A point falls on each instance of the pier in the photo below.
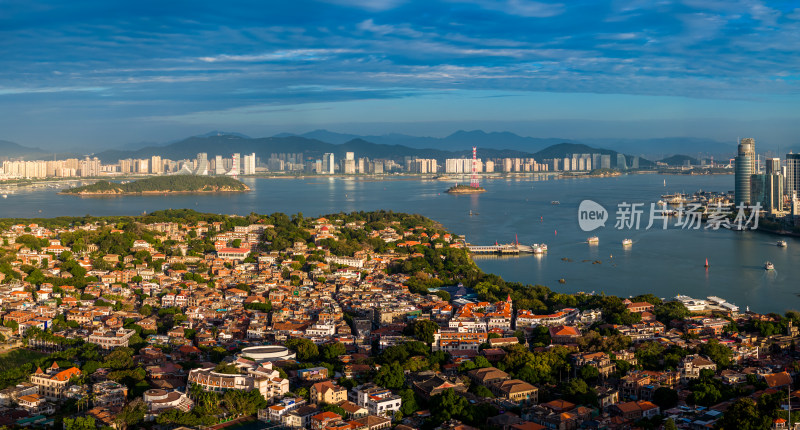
(502, 249)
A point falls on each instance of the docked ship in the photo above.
(674, 199)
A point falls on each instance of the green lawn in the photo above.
(17, 358)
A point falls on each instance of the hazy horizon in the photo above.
(92, 75)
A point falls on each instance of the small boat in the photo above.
(706, 266)
(555, 202)
(627, 242)
(593, 240)
(5, 196)
(782, 243)
(769, 266)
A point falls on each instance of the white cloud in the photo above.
(282, 55)
(373, 5)
(525, 8)
(39, 90)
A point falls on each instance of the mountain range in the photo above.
(224, 144)
(397, 146)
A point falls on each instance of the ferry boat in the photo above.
(782, 243)
(627, 242)
(593, 240)
(676, 198)
(769, 266)
(539, 248)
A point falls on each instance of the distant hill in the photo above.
(15, 150)
(225, 145)
(680, 160)
(663, 147)
(567, 149)
(562, 150)
(458, 141)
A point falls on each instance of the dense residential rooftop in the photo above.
(183, 319)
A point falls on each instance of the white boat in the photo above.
(627, 242)
(593, 240)
(539, 248)
(555, 202)
(5, 196)
(769, 266)
(782, 243)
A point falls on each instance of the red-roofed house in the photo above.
(564, 334)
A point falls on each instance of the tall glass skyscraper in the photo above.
(745, 167)
(792, 173)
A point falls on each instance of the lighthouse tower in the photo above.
(474, 179)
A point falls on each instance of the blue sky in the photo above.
(90, 73)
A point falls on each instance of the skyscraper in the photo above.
(202, 164)
(792, 173)
(328, 165)
(621, 163)
(745, 167)
(250, 164)
(773, 165)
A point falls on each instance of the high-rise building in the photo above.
(605, 161)
(745, 167)
(621, 163)
(772, 166)
(328, 164)
(219, 165)
(775, 189)
(758, 190)
(156, 165)
(792, 173)
(250, 164)
(202, 164)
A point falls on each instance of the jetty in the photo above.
(505, 249)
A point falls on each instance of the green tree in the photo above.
(332, 351)
(80, 423)
(578, 391)
(448, 405)
(409, 402)
(481, 391)
(424, 331)
(717, 352)
(390, 376)
(131, 414)
(306, 350)
(743, 415)
(669, 311)
(302, 392)
(669, 424)
(481, 362)
(146, 310)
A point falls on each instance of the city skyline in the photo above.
(102, 76)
